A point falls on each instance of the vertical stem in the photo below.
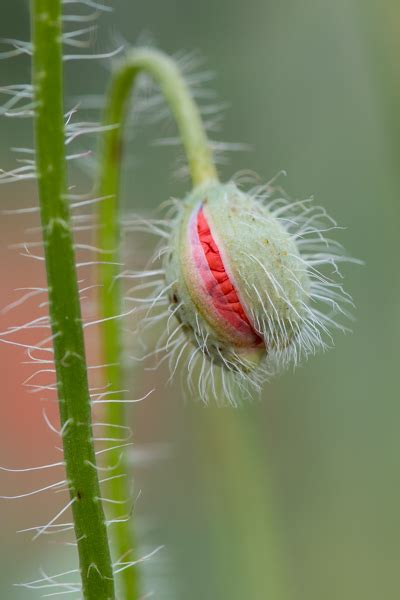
(123, 538)
(251, 515)
(64, 306)
(164, 70)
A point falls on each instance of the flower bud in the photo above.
(245, 284)
(236, 280)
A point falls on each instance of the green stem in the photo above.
(64, 307)
(253, 547)
(166, 73)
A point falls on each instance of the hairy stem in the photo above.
(64, 306)
(166, 73)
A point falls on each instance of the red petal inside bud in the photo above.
(222, 292)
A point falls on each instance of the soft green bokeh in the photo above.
(314, 88)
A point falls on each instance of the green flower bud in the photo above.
(236, 277)
(244, 286)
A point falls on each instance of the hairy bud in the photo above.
(245, 283)
(236, 277)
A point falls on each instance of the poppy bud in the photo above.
(242, 282)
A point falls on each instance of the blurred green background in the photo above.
(294, 497)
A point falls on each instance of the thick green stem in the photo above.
(166, 73)
(64, 306)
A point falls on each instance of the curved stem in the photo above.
(64, 306)
(166, 73)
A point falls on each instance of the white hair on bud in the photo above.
(319, 310)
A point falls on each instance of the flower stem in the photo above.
(166, 73)
(64, 307)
